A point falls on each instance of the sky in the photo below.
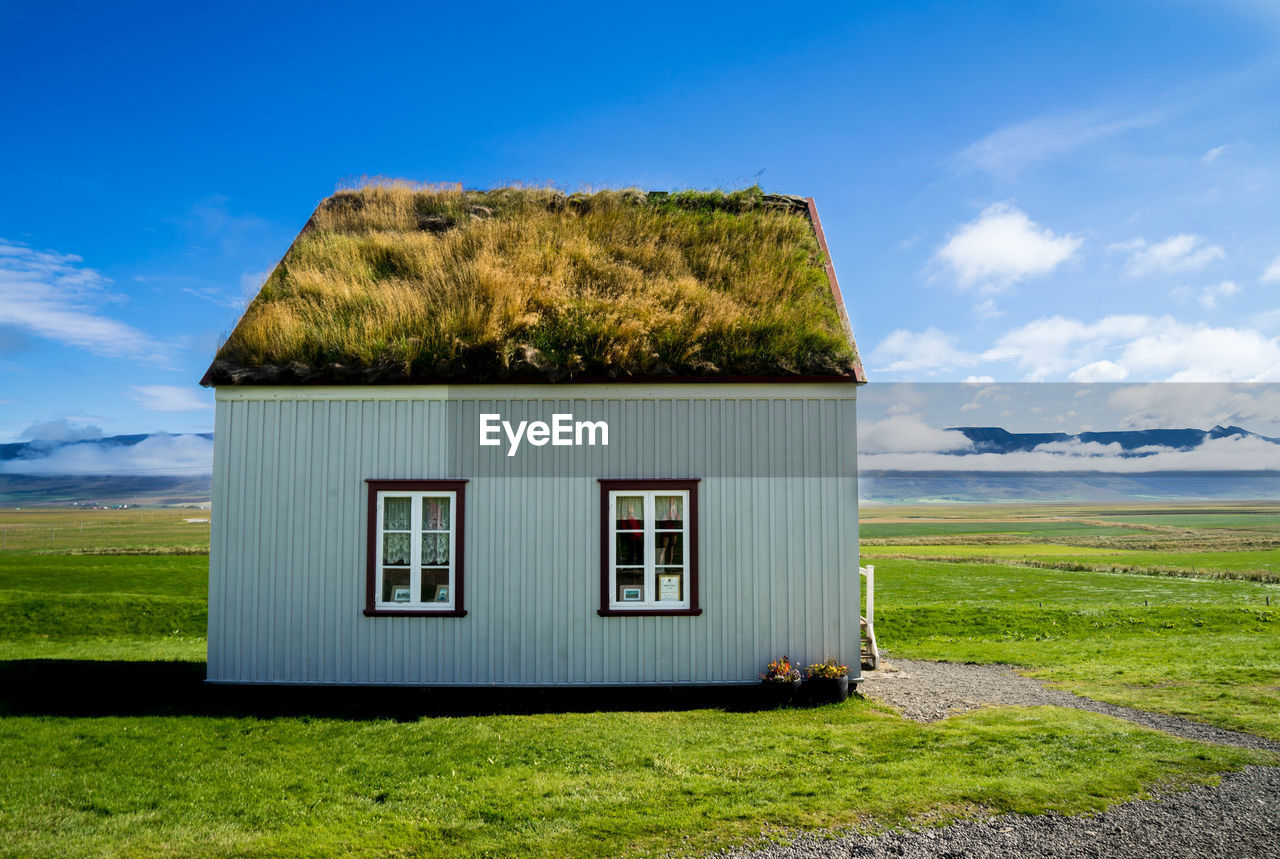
(1082, 192)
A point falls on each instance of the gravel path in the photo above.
(928, 691)
(1239, 818)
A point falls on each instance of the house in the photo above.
(518, 437)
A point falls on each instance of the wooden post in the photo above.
(871, 596)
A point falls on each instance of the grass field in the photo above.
(42, 529)
(110, 744)
(1195, 645)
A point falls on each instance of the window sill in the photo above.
(413, 612)
(649, 612)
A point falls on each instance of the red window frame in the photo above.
(458, 487)
(689, 485)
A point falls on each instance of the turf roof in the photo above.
(400, 283)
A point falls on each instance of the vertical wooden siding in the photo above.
(779, 551)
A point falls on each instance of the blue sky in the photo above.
(1081, 191)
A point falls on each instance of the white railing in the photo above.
(868, 620)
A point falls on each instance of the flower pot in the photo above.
(779, 693)
(823, 690)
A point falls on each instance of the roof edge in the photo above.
(320, 380)
(858, 373)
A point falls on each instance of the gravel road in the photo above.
(1239, 818)
(928, 691)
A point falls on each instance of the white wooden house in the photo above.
(644, 472)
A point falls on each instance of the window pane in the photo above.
(630, 549)
(670, 584)
(435, 514)
(630, 512)
(395, 549)
(395, 586)
(395, 514)
(435, 548)
(630, 585)
(435, 584)
(669, 512)
(668, 548)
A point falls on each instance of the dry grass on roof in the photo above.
(395, 282)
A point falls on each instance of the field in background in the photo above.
(1172, 608)
(82, 529)
(1228, 539)
(135, 756)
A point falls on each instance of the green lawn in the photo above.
(160, 575)
(1203, 520)
(1207, 649)
(103, 606)
(109, 743)
(873, 529)
(577, 784)
(39, 529)
(1262, 561)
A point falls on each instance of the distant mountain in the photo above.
(162, 468)
(26, 490)
(903, 486)
(965, 487)
(155, 468)
(998, 440)
(42, 448)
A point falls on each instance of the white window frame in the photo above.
(650, 519)
(416, 603)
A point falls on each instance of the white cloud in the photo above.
(1214, 154)
(157, 454)
(1008, 151)
(215, 296)
(169, 398)
(51, 295)
(1200, 353)
(1057, 346)
(1183, 252)
(1099, 371)
(1144, 347)
(1003, 246)
(1272, 274)
(908, 434)
(1211, 295)
(60, 430)
(986, 394)
(929, 350)
(988, 310)
(1113, 348)
(1230, 453)
(1161, 404)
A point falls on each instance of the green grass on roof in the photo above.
(395, 282)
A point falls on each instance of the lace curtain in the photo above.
(395, 514)
(395, 550)
(435, 549)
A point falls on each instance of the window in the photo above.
(415, 548)
(649, 547)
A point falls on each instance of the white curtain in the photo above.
(396, 513)
(395, 550)
(435, 550)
